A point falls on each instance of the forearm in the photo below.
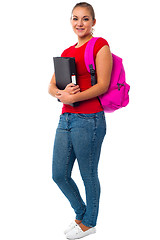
(52, 89)
(92, 92)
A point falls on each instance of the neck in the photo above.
(83, 40)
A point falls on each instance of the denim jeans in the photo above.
(79, 136)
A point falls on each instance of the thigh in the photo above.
(63, 153)
(87, 137)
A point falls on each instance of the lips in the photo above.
(80, 29)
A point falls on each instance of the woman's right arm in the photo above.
(70, 88)
(52, 88)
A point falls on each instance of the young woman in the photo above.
(81, 129)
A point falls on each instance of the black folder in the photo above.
(65, 72)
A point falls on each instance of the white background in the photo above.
(31, 205)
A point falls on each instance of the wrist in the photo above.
(72, 98)
(75, 97)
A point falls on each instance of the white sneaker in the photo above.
(70, 227)
(77, 233)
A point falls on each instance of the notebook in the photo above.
(65, 72)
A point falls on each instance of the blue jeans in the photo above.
(79, 136)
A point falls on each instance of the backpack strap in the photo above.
(89, 59)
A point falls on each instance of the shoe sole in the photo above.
(82, 236)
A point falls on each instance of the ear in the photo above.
(94, 22)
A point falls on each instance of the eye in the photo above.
(75, 19)
(86, 19)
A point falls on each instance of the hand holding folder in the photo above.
(65, 72)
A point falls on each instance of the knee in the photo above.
(58, 177)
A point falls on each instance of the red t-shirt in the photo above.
(83, 78)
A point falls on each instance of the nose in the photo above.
(80, 23)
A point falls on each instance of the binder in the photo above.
(65, 72)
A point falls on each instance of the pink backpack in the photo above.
(117, 94)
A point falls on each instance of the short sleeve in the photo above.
(66, 51)
(63, 53)
(101, 42)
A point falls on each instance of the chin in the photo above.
(82, 35)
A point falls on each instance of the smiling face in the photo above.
(82, 22)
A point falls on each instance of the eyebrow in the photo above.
(83, 16)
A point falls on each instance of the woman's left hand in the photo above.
(65, 97)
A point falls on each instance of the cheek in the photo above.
(88, 24)
(73, 24)
(89, 27)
